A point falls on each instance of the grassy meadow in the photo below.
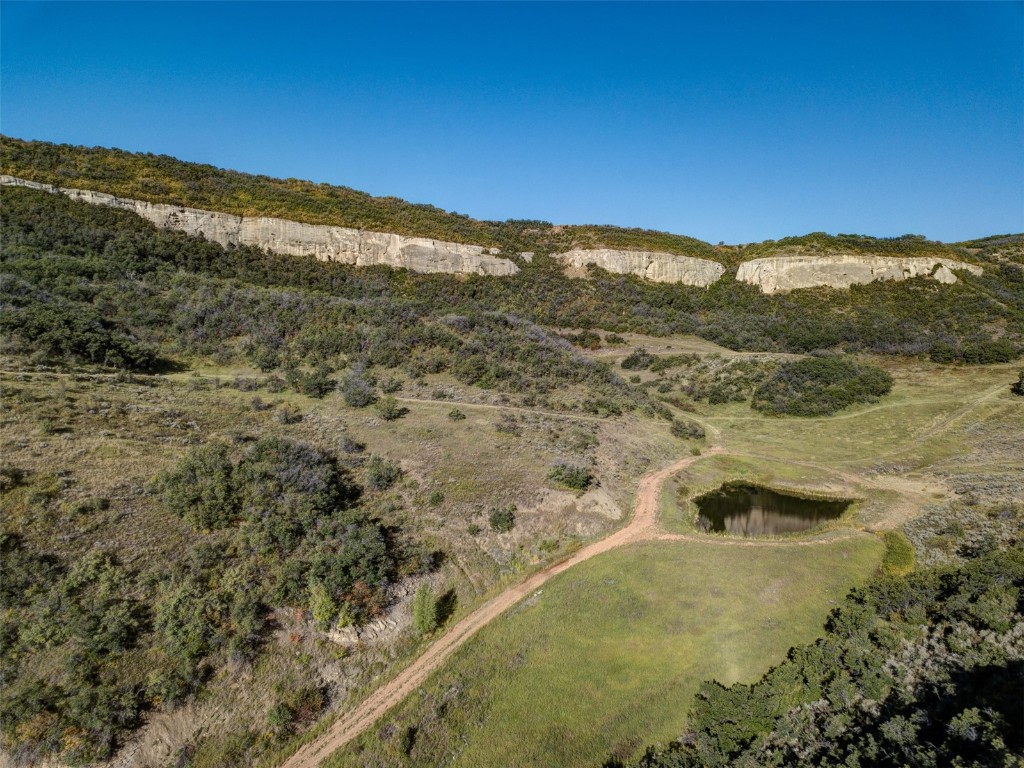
(614, 648)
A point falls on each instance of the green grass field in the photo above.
(616, 648)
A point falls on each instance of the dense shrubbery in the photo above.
(820, 386)
(571, 476)
(712, 378)
(63, 258)
(687, 429)
(77, 621)
(87, 646)
(925, 670)
(637, 360)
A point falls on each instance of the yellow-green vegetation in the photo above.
(614, 648)
(899, 554)
(162, 179)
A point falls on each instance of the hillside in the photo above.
(243, 491)
(162, 179)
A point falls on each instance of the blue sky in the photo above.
(727, 121)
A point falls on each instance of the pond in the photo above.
(751, 510)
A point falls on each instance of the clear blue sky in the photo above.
(728, 121)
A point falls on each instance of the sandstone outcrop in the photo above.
(659, 267)
(291, 238)
(777, 274)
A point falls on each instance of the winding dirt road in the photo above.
(641, 527)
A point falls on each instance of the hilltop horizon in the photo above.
(511, 220)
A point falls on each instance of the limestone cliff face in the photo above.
(785, 273)
(291, 238)
(659, 267)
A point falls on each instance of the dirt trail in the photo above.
(642, 527)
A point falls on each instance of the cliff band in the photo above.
(776, 274)
(291, 238)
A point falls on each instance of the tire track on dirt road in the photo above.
(641, 527)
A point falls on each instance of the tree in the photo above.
(424, 610)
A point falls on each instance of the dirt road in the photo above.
(641, 527)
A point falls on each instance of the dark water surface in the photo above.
(750, 510)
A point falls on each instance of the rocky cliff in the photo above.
(291, 238)
(659, 267)
(785, 273)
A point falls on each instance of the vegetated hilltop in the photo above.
(980, 318)
(163, 179)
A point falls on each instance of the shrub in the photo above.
(687, 429)
(12, 476)
(288, 414)
(389, 409)
(322, 606)
(575, 477)
(456, 415)
(1017, 387)
(407, 740)
(502, 519)
(638, 360)
(199, 488)
(357, 392)
(317, 383)
(381, 474)
(820, 386)
(424, 610)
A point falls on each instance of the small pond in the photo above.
(751, 510)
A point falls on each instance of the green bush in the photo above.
(389, 409)
(575, 477)
(199, 488)
(502, 519)
(820, 386)
(1017, 387)
(381, 473)
(322, 606)
(638, 360)
(687, 429)
(358, 392)
(424, 610)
